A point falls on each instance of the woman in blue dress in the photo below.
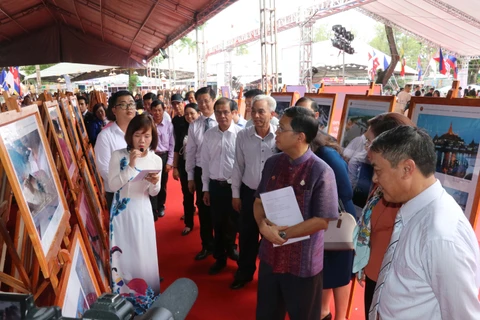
(337, 265)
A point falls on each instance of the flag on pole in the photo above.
(385, 63)
(452, 62)
(3, 80)
(16, 81)
(441, 62)
(419, 68)
(402, 62)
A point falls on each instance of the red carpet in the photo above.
(215, 299)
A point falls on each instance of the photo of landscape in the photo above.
(456, 143)
(356, 123)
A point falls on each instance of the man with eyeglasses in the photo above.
(290, 277)
(218, 156)
(112, 138)
(254, 146)
(205, 99)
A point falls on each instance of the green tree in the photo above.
(241, 50)
(132, 80)
(28, 70)
(411, 47)
(187, 43)
(322, 32)
(473, 69)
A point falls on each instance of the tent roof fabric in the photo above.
(121, 32)
(453, 25)
(68, 68)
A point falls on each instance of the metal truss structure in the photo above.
(201, 58)
(268, 45)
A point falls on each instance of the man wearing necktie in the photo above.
(431, 269)
(205, 99)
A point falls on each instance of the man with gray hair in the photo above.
(271, 103)
(431, 267)
(254, 146)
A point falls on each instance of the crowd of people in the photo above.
(415, 252)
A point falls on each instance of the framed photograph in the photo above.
(92, 194)
(70, 124)
(79, 287)
(326, 104)
(90, 155)
(357, 110)
(454, 125)
(26, 157)
(284, 101)
(79, 120)
(60, 137)
(91, 230)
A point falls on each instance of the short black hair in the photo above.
(205, 90)
(253, 93)
(113, 99)
(406, 142)
(157, 103)
(98, 106)
(194, 106)
(139, 122)
(82, 98)
(313, 103)
(386, 121)
(226, 101)
(150, 95)
(303, 120)
(189, 93)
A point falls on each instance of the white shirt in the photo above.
(194, 144)
(218, 155)
(273, 121)
(251, 153)
(109, 140)
(402, 100)
(435, 271)
(241, 122)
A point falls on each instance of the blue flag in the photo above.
(3, 78)
(385, 63)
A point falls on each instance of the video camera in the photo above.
(173, 304)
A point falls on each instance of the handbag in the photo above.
(339, 234)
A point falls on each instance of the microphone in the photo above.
(174, 303)
(130, 148)
(141, 149)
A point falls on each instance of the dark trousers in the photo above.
(188, 198)
(248, 236)
(224, 219)
(368, 294)
(158, 202)
(109, 198)
(204, 217)
(279, 293)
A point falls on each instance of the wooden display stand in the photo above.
(326, 106)
(454, 125)
(284, 101)
(41, 248)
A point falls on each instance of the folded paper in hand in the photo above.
(281, 208)
(142, 174)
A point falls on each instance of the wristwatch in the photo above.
(283, 235)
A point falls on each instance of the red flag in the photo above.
(403, 62)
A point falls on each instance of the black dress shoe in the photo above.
(203, 254)
(161, 213)
(239, 283)
(233, 254)
(217, 267)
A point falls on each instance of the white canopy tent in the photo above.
(453, 25)
(71, 69)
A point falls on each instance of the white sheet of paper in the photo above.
(281, 208)
(142, 174)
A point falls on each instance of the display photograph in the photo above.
(356, 123)
(456, 142)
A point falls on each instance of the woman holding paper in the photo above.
(132, 229)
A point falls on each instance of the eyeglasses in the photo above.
(368, 143)
(280, 130)
(224, 113)
(125, 106)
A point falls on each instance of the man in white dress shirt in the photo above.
(253, 147)
(431, 269)
(205, 99)
(112, 138)
(218, 156)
